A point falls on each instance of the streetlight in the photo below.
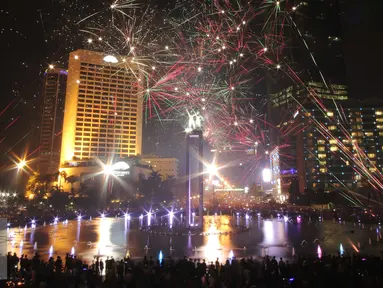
(21, 164)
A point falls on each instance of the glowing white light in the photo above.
(148, 90)
(56, 220)
(223, 47)
(266, 175)
(212, 169)
(222, 11)
(132, 48)
(107, 169)
(121, 166)
(90, 40)
(278, 66)
(102, 215)
(123, 60)
(294, 8)
(243, 22)
(251, 120)
(171, 214)
(241, 55)
(238, 28)
(285, 218)
(199, 69)
(231, 62)
(232, 88)
(79, 218)
(176, 89)
(51, 66)
(246, 189)
(99, 38)
(76, 57)
(188, 130)
(247, 216)
(167, 47)
(203, 108)
(236, 123)
(21, 164)
(78, 81)
(265, 49)
(33, 221)
(277, 2)
(110, 59)
(203, 99)
(141, 217)
(113, 6)
(231, 255)
(341, 250)
(153, 68)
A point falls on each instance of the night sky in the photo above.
(34, 34)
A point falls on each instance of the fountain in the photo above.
(319, 252)
(72, 252)
(231, 255)
(160, 257)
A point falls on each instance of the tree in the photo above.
(34, 185)
(72, 179)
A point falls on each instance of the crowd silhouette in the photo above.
(301, 271)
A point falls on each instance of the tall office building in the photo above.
(339, 160)
(316, 51)
(54, 88)
(285, 110)
(103, 108)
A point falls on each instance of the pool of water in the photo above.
(118, 237)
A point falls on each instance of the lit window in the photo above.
(321, 156)
(379, 126)
(371, 155)
(372, 169)
(378, 112)
(333, 127)
(330, 114)
(369, 134)
(321, 148)
(358, 120)
(323, 163)
(333, 148)
(321, 141)
(379, 119)
(346, 141)
(322, 170)
(332, 141)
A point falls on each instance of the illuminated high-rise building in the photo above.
(54, 88)
(103, 108)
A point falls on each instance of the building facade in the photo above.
(54, 88)
(347, 143)
(166, 167)
(103, 108)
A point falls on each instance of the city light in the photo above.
(107, 169)
(21, 164)
(266, 175)
(212, 170)
(110, 59)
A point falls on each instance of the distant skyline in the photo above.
(33, 40)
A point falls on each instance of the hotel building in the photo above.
(54, 88)
(103, 108)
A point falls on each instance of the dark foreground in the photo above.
(329, 271)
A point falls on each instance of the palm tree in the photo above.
(72, 179)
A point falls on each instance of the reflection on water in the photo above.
(117, 237)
